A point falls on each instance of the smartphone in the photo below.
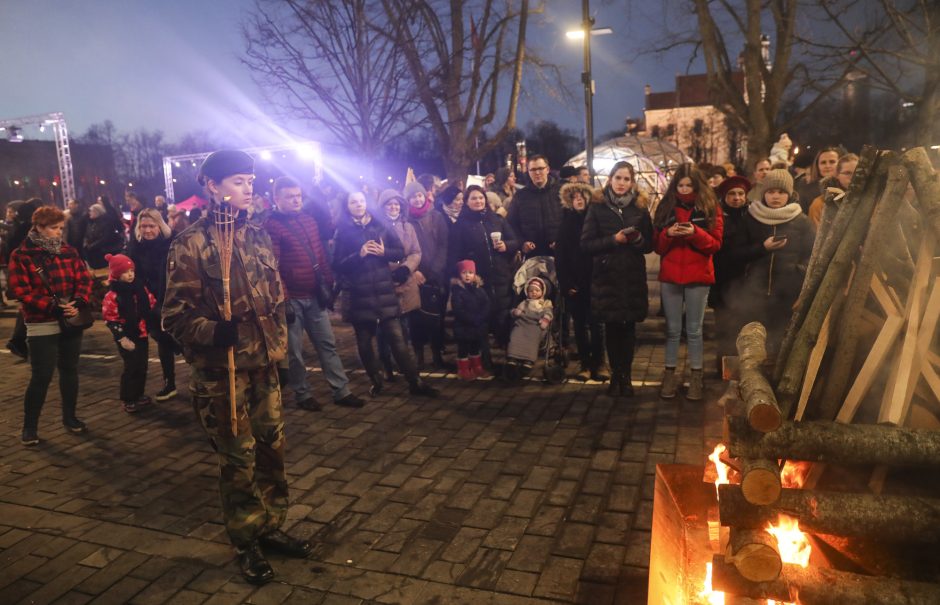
(628, 230)
(685, 225)
(780, 238)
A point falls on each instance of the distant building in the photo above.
(31, 169)
(687, 118)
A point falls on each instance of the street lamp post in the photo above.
(585, 33)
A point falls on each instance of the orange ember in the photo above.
(793, 475)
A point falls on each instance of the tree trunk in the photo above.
(926, 183)
(763, 414)
(791, 379)
(848, 329)
(856, 444)
(823, 251)
(754, 553)
(821, 586)
(886, 518)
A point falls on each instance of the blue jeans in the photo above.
(695, 297)
(309, 318)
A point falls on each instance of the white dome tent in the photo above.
(653, 159)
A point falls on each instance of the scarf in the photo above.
(774, 216)
(133, 304)
(419, 212)
(52, 245)
(620, 201)
(687, 199)
(451, 212)
(361, 222)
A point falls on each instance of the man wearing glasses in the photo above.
(535, 213)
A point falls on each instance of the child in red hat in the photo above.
(471, 305)
(125, 309)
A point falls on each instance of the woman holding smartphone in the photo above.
(617, 233)
(364, 248)
(688, 228)
(784, 239)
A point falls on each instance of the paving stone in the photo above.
(504, 487)
(507, 534)
(525, 503)
(559, 580)
(517, 582)
(574, 540)
(531, 553)
(603, 563)
(546, 521)
(464, 544)
(484, 568)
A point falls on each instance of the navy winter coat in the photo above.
(369, 292)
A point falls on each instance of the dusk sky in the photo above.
(173, 65)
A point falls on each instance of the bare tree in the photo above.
(324, 62)
(460, 54)
(895, 45)
(731, 38)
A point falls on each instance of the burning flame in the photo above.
(708, 595)
(720, 467)
(793, 475)
(791, 542)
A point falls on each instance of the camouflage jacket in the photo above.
(194, 300)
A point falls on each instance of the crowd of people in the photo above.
(397, 266)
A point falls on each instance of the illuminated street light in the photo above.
(265, 155)
(102, 182)
(587, 23)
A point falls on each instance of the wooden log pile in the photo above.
(854, 391)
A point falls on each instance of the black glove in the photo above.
(289, 313)
(80, 303)
(225, 334)
(283, 376)
(400, 274)
(58, 312)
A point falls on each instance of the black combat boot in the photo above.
(254, 567)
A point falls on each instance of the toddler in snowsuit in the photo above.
(125, 309)
(532, 318)
(471, 306)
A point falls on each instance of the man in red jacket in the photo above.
(303, 263)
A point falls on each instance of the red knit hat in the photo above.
(118, 264)
(466, 265)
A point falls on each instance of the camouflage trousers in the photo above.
(252, 481)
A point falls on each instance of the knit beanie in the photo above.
(777, 179)
(537, 281)
(390, 195)
(118, 265)
(412, 189)
(466, 265)
(223, 163)
(448, 195)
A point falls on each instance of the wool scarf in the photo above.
(451, 212)
(419, 212)
(620, 201)
(52, 245)
(774, 216)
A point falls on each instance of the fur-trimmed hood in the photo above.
(642, 199)
(569, 189)
(477, 281)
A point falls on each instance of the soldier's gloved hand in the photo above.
(225, 334)
(283, 376)
(289, 314)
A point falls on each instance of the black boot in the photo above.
(278, 541)
(376, 389)
(442, 365)
(419, 357)
(254, 567)
(626, 385)
(613, 387)
(422, 389)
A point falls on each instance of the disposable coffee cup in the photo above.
(496, 237)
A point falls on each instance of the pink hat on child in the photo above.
(118, 265)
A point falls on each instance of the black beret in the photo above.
(223, 163)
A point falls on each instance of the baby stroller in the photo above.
(552, 349)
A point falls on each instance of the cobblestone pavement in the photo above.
(496, 494)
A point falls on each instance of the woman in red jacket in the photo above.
(68, 289)
(688, 229)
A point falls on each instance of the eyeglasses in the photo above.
(538, 168)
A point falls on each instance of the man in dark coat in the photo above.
(535, 213)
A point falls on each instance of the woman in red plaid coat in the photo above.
(49, 348)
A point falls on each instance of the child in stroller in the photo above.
(532, 318)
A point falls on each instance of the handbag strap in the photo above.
(313, 259)
(41, 272)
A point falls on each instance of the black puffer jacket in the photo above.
(535, 215)
(369, 292)
(102, 236)
(618, 281)
(149, 258)
(471, 306)
(470, 240)
(573, 266)
(732, 259)
(778, 276)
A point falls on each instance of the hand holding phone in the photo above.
(780, 238)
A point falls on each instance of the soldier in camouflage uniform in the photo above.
(252, 480)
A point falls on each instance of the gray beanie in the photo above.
(388, 195)
(777, 179)
(412, 189)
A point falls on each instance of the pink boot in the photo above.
(464, 370)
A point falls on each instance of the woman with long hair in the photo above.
(617, 233)
(810, 186)
(51, 281)
(688, 230)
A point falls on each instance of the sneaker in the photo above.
(310, 404)
(350, 401)
(584, 374)
(130, 407)
(74, 425)
(168, 392)
(29, 437)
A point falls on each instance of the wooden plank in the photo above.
(897, 397)
(879, 352)
(812, 366)
(881, 295)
